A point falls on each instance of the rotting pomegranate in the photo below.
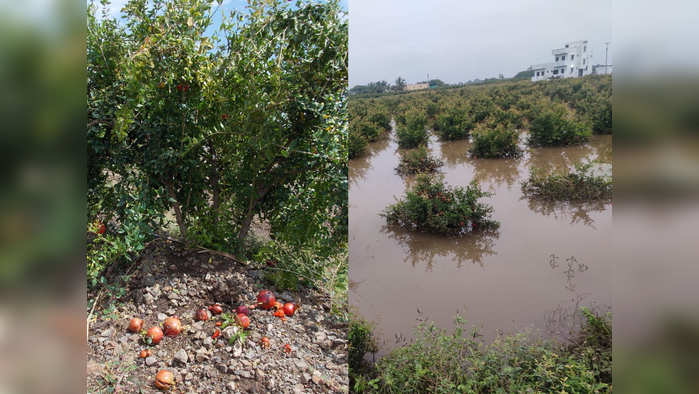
(202, 315)
(243, 320)
(155, 335)
(243, 309)
(216, 309)
(280, 314)
(266, 299)
(136, 324)
(164, 380)
(172, 326)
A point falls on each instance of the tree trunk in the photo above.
(250, 213)
(178, 211)
(214, 184)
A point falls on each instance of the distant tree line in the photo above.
(400, 84)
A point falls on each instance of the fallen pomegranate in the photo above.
(216, 309)
(102, 228)
(243, 309)
(287, 348)
(154, 335)
(289, 308)
(218, 324)
(278, 305)
(243, 320)
(172, 326)
(164, 380)
(217, 333)
(135, 325)
(144, 353)
(264, 342)
(266, 299)
(280, 314)
(202, 315)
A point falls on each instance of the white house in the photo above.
(601, 69)
(417, 86)
(571, 61)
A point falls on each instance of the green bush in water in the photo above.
(495, 142)
(409, 138)
(558, 126)
(370, 131)
(578, 185)
(433, 207)
(453, 124)
(417, 161)
(380, 119)
(356, 145)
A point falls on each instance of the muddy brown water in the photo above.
(545, 261)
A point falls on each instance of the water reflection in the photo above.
(454, 152)
(574, 212)
(425, 248)
(565, 321)
(496, 172)
(359, 167)
(560, 159)
(572, 268)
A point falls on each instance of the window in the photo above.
(566, 45)
(585, 48)
(583, 61)
(563, 57)
(556, 58)
(572, 57)
(555, 71)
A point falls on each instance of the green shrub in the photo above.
(417, 161)
(431, 206)
(448, 362)
(356, 145)
(432, 109)
(361, 341)
(415, 120)
(495, 142)
(557, 126)
(370, 131)
(578, 185)
(381, 119)
(409, 138)
(453, 124)
(602, 118)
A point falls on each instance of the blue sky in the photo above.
(226, 6)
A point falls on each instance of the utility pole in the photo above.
(606, 58)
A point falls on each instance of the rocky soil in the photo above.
(170, 281)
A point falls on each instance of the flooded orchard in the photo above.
(545, 261)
